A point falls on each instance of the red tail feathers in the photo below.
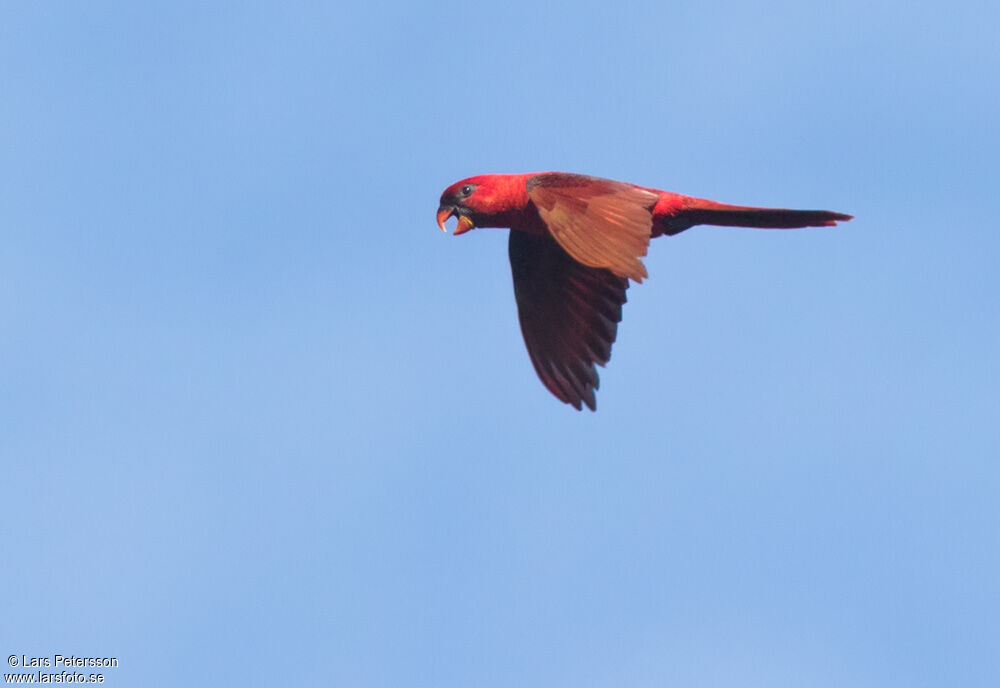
(698, 211)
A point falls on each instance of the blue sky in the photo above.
(261, 423)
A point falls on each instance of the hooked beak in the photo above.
(444, 212)
(464, 221)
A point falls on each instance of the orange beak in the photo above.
(464, 221)
(443, 214)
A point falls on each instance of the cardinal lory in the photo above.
(575, 244)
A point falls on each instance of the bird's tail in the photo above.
(699, 211)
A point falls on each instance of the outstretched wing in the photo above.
(601, 223)
(569, 315)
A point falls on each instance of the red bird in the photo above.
(575, 244)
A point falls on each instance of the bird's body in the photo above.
(575, 242)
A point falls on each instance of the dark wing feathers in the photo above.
(569, 315)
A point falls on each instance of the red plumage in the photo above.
(575, 243)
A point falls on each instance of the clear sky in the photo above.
(262, 423)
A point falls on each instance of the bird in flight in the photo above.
(575, 243)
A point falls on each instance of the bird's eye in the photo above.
(466, 190)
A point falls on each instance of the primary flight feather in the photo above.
(575, 243)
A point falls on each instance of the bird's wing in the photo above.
(601, 223)
(569, 315)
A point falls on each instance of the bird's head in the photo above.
(482, 201)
